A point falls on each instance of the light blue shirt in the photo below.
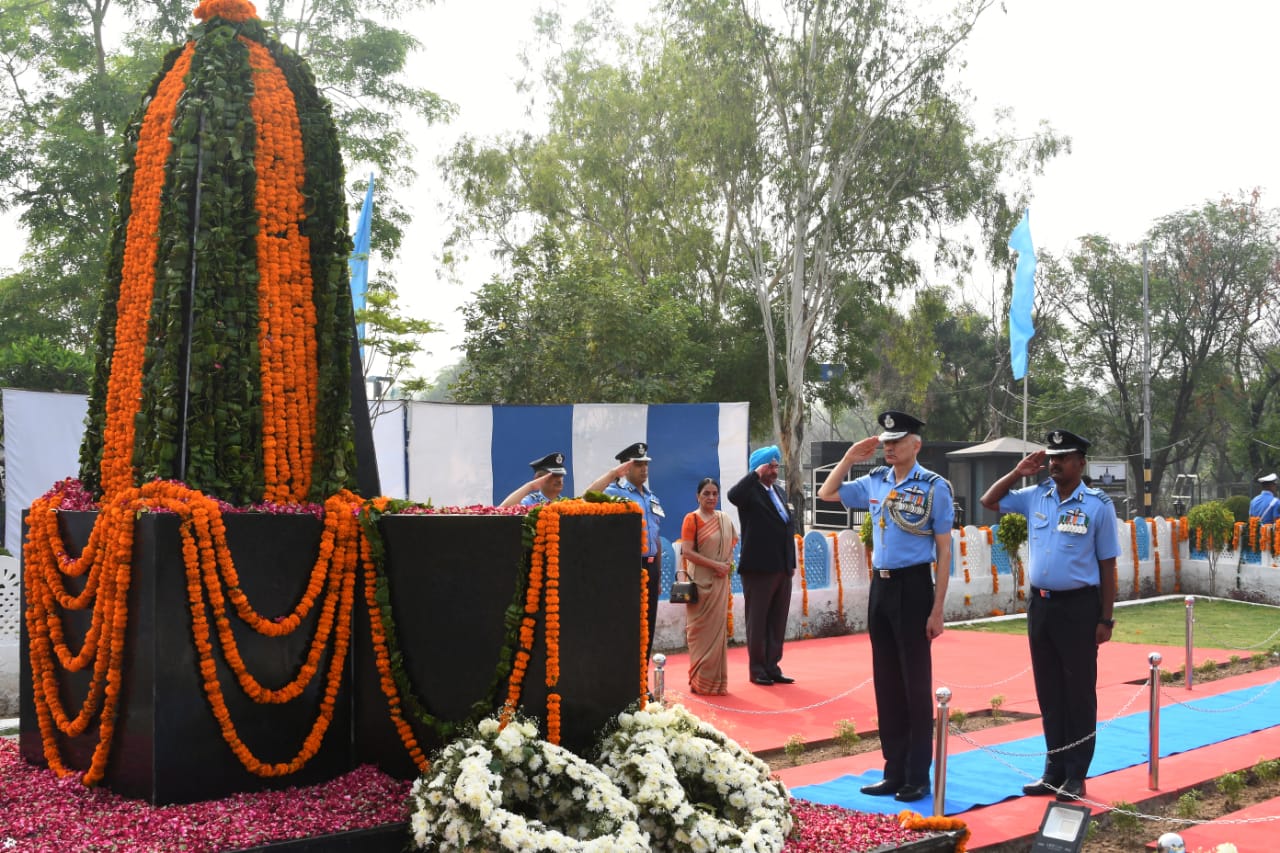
(920, 502)
(1066, 538)
(534, 499)
(1265, 507)
(653, 512)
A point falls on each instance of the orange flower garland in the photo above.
(804, 582)
(286, 331)
(229, 10)
(1253, 533)
(835, 551)
(382, 656)
(1155, 554)
(549, 532)
(1133, 550)
(1235, 535)
(912, 820)
(137, 280)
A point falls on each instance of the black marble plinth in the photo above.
(452, 579)
(168, 747)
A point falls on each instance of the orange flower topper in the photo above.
(286, 332)
(137, 280)
(912, 820)
(228, 10)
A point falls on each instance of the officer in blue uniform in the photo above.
(912, 514)
(627, 480)
(1073, 545)
(547, 483)
(1265, 506)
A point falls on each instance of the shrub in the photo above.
(794, 748)
(1124, 816)
(958, 717)
(1267, 770)
(1209, 667)
(1188, 805)
(847, 734)
(1259, 659)
(1230, 785)
(996, 701)
(1238, 506)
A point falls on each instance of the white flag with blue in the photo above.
(1021, 329)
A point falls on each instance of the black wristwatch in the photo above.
(1110, 623)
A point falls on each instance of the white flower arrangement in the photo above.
(505, 789)
(665, 781)
(697, 790)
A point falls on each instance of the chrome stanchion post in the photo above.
(1170, 842)
(1153, 724)
(1190, 601)
(659, 676)
(940, 751)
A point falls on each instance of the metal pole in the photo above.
(659, 676)
(1153, 725)
(1191, 621)
(940, 751)
(1146, 392)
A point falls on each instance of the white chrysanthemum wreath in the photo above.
(509, 790)
(696, 789)
(666, 781)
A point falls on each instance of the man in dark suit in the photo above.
(767, 563)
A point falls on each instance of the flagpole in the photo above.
(1025, 377)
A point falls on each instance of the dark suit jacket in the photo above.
(768, 542)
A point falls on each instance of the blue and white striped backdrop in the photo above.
(461, 455)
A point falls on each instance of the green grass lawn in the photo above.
(1218, 625)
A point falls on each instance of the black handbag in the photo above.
(684, 591)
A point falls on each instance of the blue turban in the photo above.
(764, 455)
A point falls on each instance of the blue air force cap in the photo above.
(552, 463)
(897, 424)
(638, 452)
(1060, 441)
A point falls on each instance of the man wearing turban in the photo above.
(767, 563)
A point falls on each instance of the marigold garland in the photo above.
(804, 582)
(137, 282)
(1235, 535)
(1133, 550)
(1155, 554)
(228, 10)
(835, 551)
(912, 820)
(1253, 533)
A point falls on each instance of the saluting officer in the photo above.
(912, 514)
(1265, 505)
(547, 483)
(1073, 546)
(627, 480)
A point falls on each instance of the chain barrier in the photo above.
(1093, 734)
(1217, 642)
(992, 684)
(1164, 692)
(757, 713)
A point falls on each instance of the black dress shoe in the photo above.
(1042, 788)
(783, 679)
(762, 681)
(1072, 789)
(911, 793)
(883, 788)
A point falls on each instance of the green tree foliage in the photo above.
(1210, 271)
(564, 330)
(747, 169)
(71, 76)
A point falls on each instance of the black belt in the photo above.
(902, 571)
(1062, 593)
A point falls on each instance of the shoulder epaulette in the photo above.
(879, 469)
(1098, 493)
(930, 476)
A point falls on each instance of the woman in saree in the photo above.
(708, 539)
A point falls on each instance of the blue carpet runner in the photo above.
(979, 778)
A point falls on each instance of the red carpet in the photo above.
(833, 683)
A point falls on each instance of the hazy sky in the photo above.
(1168, 104)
